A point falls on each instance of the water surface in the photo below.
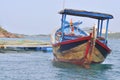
(36, 65)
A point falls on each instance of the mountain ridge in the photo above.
(5, 34)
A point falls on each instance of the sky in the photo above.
(41, 16)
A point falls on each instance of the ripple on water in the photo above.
(39, 66)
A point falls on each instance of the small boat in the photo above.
(72, 44)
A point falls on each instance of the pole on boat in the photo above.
(101, 28)
(98, 28)
(63, 4)
(90, 48)
(106, 34)
(62, 25)
(93, 38)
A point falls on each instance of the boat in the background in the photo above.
(73, 45)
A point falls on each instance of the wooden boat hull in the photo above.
(74, 45)
(79, 51)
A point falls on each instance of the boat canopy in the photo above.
(95, 15)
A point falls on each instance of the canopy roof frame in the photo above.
(95, 15)
(83, 13)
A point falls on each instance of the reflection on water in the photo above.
(74, 72)
(93, 66)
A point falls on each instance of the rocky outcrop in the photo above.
(5, 34)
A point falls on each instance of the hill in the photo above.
(5, 34)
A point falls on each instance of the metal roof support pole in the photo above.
(63, 24)
(98, 28)
(106, 34)
(101, 28)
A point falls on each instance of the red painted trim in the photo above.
(103, 45)
(71, 41)
(87, 49)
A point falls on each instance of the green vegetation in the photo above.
(5, 34)
(23, 42)
(3, 30)
(114, 35)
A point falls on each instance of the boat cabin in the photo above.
(70, 27)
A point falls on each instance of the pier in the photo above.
(25, 45)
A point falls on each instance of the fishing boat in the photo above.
(72, 44)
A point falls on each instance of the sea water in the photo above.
(37, 65)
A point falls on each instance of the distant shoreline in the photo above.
(5, 34)
(114, 35)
